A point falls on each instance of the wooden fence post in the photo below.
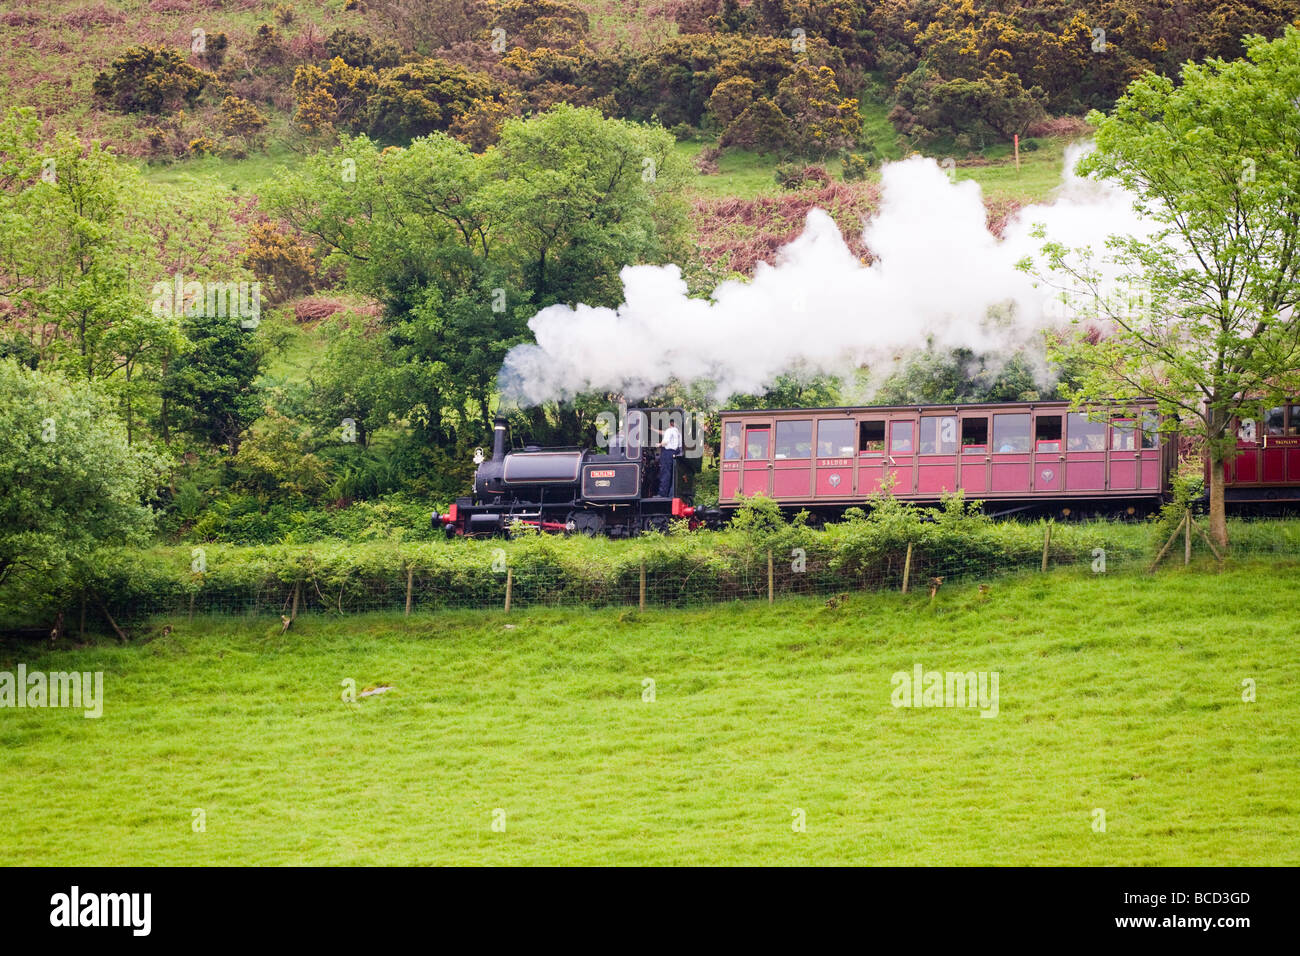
(1047, 543)
(641, 599)
(907, 567)
(510, 586)
(410, 581)
(1187, 539)
(771, 580)
(1172, 537)
(297, 591)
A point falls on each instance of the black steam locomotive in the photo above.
(611, 492)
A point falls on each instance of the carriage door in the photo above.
(1124, 454)
(1049, 453)
(974, 478)
(1244, 467)
(936, 468)
(1085, 453)
(756, 476)
(1149, 466)
(902, 454)
(871, 455)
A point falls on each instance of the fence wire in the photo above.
(423, 579)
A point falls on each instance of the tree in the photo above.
(462, 248)
(579, 197)
(69, 480)
(1214, 162)
(210, 388)
(75, 249)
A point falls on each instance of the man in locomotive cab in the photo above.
(670, 445)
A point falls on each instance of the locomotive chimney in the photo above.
(499, 432)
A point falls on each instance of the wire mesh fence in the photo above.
(121, 589)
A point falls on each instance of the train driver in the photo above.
(670, 444)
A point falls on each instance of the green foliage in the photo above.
(209, 389)
(416, 99)
(960, 376)
(148, 79)
(76, 242)
(69, 482)
(1210, 331)
(855, 167)
(361, 50)
(275, 459)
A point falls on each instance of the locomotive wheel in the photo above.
(657, 523)
(589, 523)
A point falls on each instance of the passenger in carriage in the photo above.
(732, 451)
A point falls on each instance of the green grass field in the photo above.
(1116, 692)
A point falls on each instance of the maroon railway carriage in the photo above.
(1266, 467)
(1014, 456)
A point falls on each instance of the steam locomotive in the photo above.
(613, 491)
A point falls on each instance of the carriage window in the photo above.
(1246, 430)
(731, 442)
(1274, 421)
(1010, 433)
(1293, 422)
(974, 436)
(1047, 433)
(939, 436)
(900, 438)
(1121, 434)
(835, 438)
(1084, 435)
(756, 442)
(1150, 430)
(794, 439)
(871, 438)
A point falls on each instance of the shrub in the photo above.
(280, 260)
(240, 118)
(148, 79)
(855, 167)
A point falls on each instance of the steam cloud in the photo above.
(940, 279)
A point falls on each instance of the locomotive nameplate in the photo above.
(601, 473)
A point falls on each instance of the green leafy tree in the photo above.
(69, 480)
(579, 197)
(1211, 334)
(210, 387)
(462, 248)
(76, 257)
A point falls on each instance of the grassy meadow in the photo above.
(1120, 692)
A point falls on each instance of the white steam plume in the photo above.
(940, 278)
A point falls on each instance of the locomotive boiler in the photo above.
(608, 491)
